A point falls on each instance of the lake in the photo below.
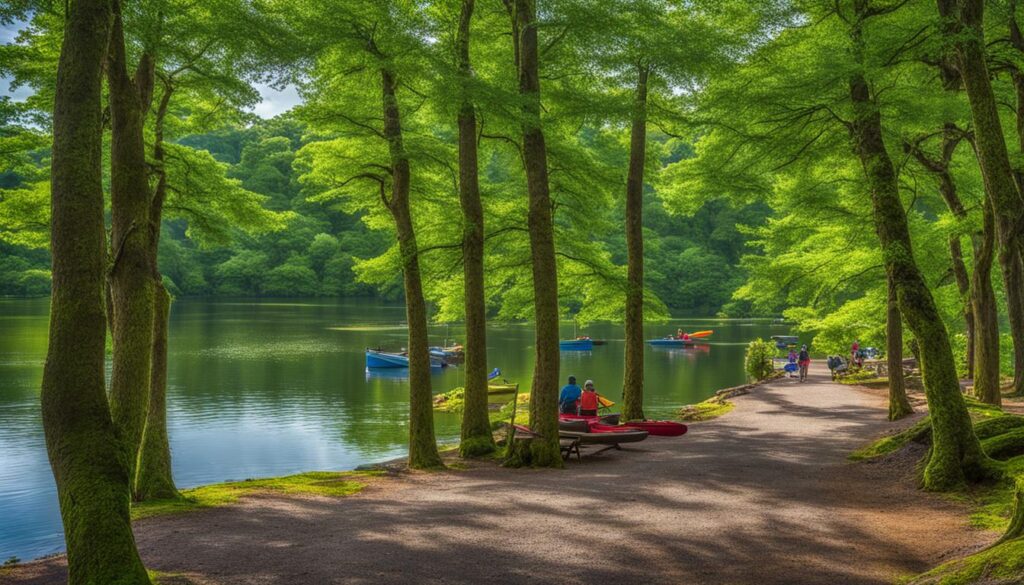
(271, 387)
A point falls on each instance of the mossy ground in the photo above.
(992, 503)
(707, 410)
(324, 483)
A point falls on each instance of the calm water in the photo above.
(264, 388)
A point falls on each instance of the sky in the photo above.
(274, 102)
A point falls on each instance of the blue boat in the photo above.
(381, 359)
(576, 344)
(672, 342)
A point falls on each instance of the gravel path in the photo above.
(763, 495)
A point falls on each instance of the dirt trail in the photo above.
(763, 495)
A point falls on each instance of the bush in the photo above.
(758, 362)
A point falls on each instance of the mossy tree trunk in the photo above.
(155, 479)
(1017, 256)
(983, 304)
(544, 391)
(963, 285)
(131, 283)
(939, 168)
(956, 456)
(88, 464)
(899, 405)
(633, 376)
(1016, 528)
(962, 27)
(422, 443)
(476, 436)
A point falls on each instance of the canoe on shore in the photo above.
(610, 423)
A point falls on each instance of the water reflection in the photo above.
(259, 388)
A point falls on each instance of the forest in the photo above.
(852, 167)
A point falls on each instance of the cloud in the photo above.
(276, 102)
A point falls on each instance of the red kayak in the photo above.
(599, 424)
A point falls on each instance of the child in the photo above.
(588, 400)
(791, 366)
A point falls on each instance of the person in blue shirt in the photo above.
(569, 398)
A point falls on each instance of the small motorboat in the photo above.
(784, 341)
(382, 359)
(688, 340)
(596, 341)
(576, 344)
(451, 353)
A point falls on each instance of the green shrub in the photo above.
(758, 362)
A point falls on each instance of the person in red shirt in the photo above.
(588, 400)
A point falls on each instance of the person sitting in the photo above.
(568, 399)
(679, 333)
(589, 402)
(685, 337)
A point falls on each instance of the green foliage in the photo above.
(706, 410)
(757, 361)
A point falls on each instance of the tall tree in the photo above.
(963, 30)
(899, 404)
(88, 464)
(956, 454)
(543, 451)
(476, 428)
(132, 292)
(362, 63)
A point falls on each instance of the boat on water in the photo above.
(687, 340)
(596, 341)
(576, 344)
(784, 341)
(383, 359)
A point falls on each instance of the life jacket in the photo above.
(588, 401)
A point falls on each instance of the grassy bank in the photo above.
(322, 483)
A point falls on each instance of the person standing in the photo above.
(589, 402)
(854, 352)
(568, 399)
(804, 361)
(791, 365)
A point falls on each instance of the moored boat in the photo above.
(610, 423)
(383, 359)
(576, 344)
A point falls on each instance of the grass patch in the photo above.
(920, 432)
(999, 565)
(453, 401)
(707, 410)
(323, 483)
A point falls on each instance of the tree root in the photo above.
(1006, 445)
(989, 428)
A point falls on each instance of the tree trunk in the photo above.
(983, 304)
(963, 29)
(476, 426)
(633, 377)
(422, 444)
(956, 455)
(963, 285)
(544, 392)
(155, 478)
(131, 284)
(899, 405)
(88, 465)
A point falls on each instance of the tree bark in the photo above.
(155, 478)
(633, 376)
(963, 285)
(963, 28)
(899, 405)
(476, 426)
(543, 451)
(956, 456)
(81, 441)
(131, 284)
(422, 443)
(986, 319)
(1016, 259)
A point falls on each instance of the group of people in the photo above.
(799, 362)
(575, 400)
